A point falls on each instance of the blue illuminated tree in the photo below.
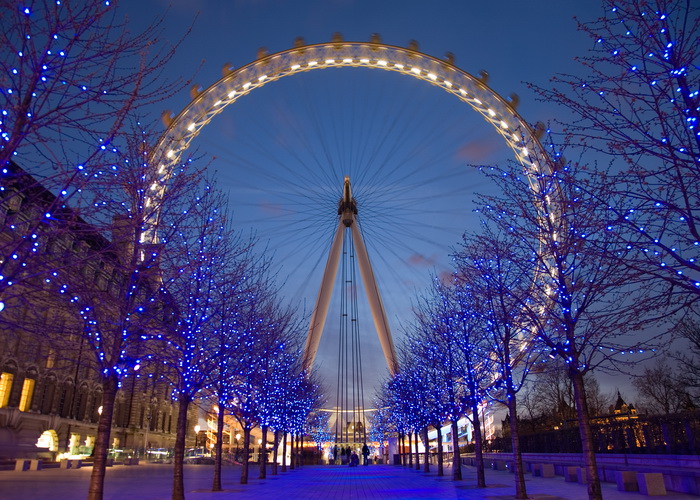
(72, 74)
(581, 304)
(196, 260)
(242, 276)
(73, 77)
(637, 103)
(499, 282)
(455, 327)
(113, 287)
(440, 366)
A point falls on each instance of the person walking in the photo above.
(365, 454)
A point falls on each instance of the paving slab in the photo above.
(380, 482)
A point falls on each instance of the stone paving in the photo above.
(154, 482)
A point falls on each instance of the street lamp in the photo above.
(197, 428)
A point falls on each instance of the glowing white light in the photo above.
(246, 85)
(364, 61)
(525, 152)
(416, 70)
(217, 103)
(347, 61)
(154, 186)
(432, 76)
(161, 168)
(192, 126)
(170, 153)
(504, 124)
(296, 67)
(400, 66)
(148, 202)
(463, 92)
(491, 112)
(330, 61)
(313, 63)
(231, 94)
(477, 101)
(262, 78)
(448, 84)
(382, 62)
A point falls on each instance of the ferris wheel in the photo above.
(287, 147)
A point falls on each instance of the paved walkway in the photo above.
(381, 482)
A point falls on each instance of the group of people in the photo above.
(349, 456)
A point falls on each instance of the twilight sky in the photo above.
(282, 151)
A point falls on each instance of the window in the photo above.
(25, 401)
(5, 388)
(51, 358)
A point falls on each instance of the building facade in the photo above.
(50, 392)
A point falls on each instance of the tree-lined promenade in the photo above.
(115, 268)
(376, 482)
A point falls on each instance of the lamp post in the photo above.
(197, 428)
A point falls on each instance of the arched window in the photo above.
(119, 412)
(97, 404)
(7, 384)
(81, 403)
(27, 395)
(66, 401)
(47, 395)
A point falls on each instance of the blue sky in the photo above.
(266, 146)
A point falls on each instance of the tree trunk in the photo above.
(410, 450)
(402, 448)
(478, 447)
(417, 453)
(292, 452)
(584, 425)
(263, 453)
(520, 491)
(104, 428)
(179, 451)
(426, 462)
(216, 483)
(246, 454)
(456, 459)
(284, 452)
(275, 452)
(300, 448)
(441, 471)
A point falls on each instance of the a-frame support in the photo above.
(347, 212)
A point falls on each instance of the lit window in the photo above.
(50, 358)
(27, 392)
(5, 388)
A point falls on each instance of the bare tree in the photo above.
(72, 73)
(689, 357)
(490, 265)
(196, 261)
(638, 103)
(241, 279)
(549, 397)
(117, 293)
(582, 303)
(660, 390)
(72, 76)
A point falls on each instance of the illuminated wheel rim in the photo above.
(236, 83)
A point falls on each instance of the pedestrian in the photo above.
(354, 459)
(343, 456)
(365, 454)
